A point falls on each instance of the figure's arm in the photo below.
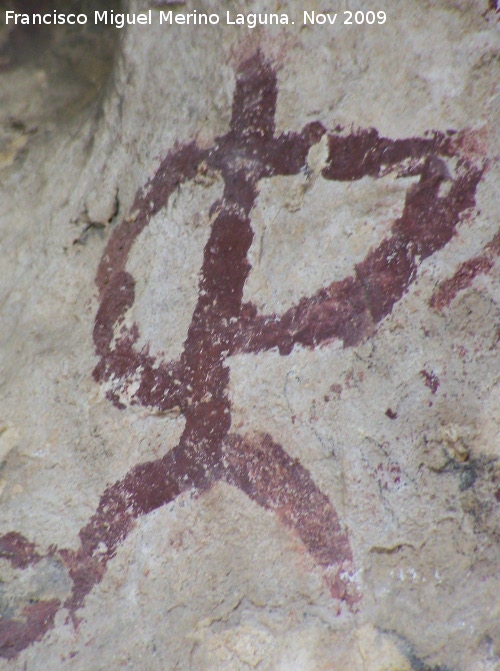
(349, 309)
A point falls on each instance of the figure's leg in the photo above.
(269, 476)
(144, 488)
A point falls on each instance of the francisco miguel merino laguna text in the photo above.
(195, 18)
(119, 20)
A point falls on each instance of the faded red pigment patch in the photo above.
(18, 551)
(465, 275)
(197, 383)
(15, 635)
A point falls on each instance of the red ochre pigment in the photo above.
(465, 274)
(431, 380)
(222, 325)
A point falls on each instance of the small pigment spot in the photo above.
(431, 380)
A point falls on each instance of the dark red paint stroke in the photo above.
(15, 635)
(179, 165)
(145, 488)
(366, 154)
(270, 477)
(198, 381)
(349, 309)
(18, 551)
(465, 274)
(117, 287)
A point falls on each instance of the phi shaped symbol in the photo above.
(196, 384)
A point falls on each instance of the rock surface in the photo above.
(249, 355)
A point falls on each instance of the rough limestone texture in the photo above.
(249, 344)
